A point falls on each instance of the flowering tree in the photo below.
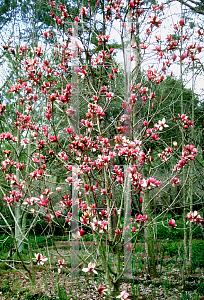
(81, 144)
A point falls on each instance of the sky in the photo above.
(172, 16)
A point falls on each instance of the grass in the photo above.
(35, 242)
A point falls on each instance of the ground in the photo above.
(15, 284)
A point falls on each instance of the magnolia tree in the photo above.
(83, 137)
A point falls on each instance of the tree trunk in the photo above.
(149, 241)
(18, 211)
(189, 267)
(184, 194)
(137, 120)
(18, 227)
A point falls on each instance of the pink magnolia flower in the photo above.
(123, 295)
(101, 289)
(133, 229)
(20, 166)
(103, 226)
(194, 217)
(129, 247)
(69, 179)
(43, 202)
(61, 263)
(81, 232)
(144, 46)
(182, 22)
(103, 192)
(155, 137)
(103, 214)
(118, 231)
(84, 11)
(154, 21)
(90, 269)
(76, 19)
(141, 218)
(58, 214)
(199, 48)
(2, 108)
(175, 181)
(150, 183)
(172, 223)
(49, 218)
(53, 138)
(46, 192)
(39, 259)
(145, 123)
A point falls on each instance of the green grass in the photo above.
(35, 242)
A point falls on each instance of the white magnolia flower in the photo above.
(95, 224)
(90, 268)
(123, 295)
(175, 144)
(162, 124)
(144, 183)
(30, 201)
